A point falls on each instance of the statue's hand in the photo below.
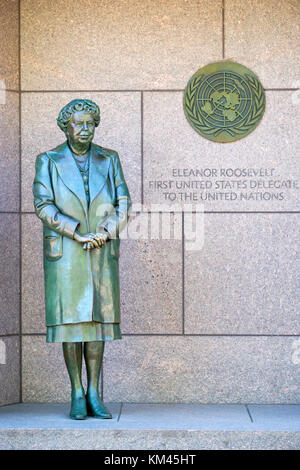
(100, 237)
(87, 239)
(91, 240)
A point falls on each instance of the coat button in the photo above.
(85, 178)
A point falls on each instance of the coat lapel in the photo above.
(69, 173)
(98, 171)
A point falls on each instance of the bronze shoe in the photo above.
(78, 408)
(97, 409)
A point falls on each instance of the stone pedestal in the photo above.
(160, 427)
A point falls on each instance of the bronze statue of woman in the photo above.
(81, 196)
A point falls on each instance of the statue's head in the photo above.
(78, 120)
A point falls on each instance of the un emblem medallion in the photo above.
(224, 101)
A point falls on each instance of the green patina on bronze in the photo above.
(224, 101)
(81, 196)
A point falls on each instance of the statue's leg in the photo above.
(93, 354)
(73, 359)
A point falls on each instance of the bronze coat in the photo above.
(80, 285)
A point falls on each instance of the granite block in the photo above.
(10, 274)
(257, 173)
(9, 369)
(9, 44)
(119, 130)
(275, 417)
(177, 416)
(52, 416)
(44, 373)
(115, 45)
(33, 295)
(53, 439)
(264, 36)
(151, 286)
(245, 280)
(10, 154)
(201, 369)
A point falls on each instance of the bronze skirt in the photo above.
(83, 332)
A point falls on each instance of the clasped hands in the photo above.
(91, 240)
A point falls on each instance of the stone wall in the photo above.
(10, 215)
(220, 324)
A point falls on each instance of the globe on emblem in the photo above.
(224, 101)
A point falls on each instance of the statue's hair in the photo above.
(67, 112)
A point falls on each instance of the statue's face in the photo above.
(81, 128)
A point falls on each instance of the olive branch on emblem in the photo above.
(247, 123)
(257, 109)
(191, 109)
